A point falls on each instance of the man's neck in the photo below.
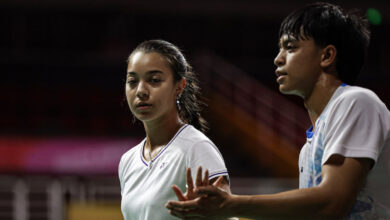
(320, 96)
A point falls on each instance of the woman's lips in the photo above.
(143, 106)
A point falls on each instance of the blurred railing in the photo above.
(274, 110)
(41, 197)
(270, 128)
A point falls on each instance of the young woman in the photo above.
(163, 93)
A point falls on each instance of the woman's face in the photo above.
(150, 89)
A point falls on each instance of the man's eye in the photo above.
(290, 47)
(131, 81)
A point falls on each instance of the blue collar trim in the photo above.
(309, 132)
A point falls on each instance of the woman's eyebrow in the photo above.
(153, 72)
(150, 72)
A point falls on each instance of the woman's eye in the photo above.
(155, 80)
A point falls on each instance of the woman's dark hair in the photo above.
(329, 24)
(190, 103)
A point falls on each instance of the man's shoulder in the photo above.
(356, 95)
(356, 91)
(357, 101)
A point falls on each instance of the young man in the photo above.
(347, 152)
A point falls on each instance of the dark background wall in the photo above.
(63, 62)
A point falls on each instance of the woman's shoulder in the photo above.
(132, 151)
(191, 139)
(191, 134)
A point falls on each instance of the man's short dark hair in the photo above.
(328, 24)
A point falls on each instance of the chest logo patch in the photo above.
(163, 165)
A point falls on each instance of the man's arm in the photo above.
(333, 198)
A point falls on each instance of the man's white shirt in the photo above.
(355, 123)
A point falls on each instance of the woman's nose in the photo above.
(142, 91)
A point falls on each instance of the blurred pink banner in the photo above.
(62, 155)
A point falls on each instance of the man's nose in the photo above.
(279, 59)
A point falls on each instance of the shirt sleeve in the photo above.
(355, 127)
(207, 155)
(120, 173)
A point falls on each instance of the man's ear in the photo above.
(328, 56)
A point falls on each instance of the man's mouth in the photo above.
(280, 75)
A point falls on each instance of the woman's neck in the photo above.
(160, 132)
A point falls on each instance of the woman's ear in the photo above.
(181, 85)
(328, 56)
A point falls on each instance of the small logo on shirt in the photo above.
(163, 165)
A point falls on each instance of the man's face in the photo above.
(298, 65)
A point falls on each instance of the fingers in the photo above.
(185, 214)
(178, 192)
(190, 184)
(207, 190)
(198, 180)
(206, 178)
(219, 181)
(182, 205)
(177, 213)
